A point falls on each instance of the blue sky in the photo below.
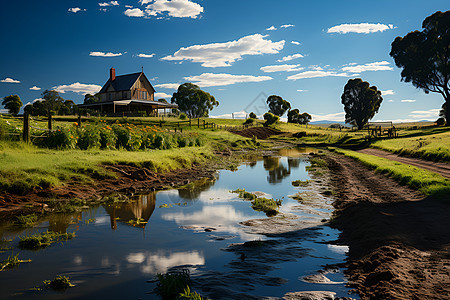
(239, 51)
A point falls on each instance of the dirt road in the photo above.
(399, 240)
(437, 167)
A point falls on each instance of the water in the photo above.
(114, 258)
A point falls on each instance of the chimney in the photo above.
(112, 74)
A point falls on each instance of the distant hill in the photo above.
(326, 122)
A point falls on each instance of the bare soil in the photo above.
(259, 132)
(399, 241)
(441, 168)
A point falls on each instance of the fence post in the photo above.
(26, 128)
(190, 123)
(198, 122)
(204, 124)
(160, 124)
(50, 122)
(178, 124)
(79, 120)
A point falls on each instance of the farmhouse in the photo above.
(128, 94)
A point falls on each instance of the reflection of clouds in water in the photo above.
(105, 220)
(338, 248)
(216, 195)
(212, 216)
(160, 262)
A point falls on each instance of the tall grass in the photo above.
(425, 181)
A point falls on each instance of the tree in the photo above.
(424, 56)
(252, 115)
(305, 118)
(193, 101)
(52, 101)
(90, 99)
(277, 105)
(294, 116)
(442, 115)
(270, 118)
(162, 100)
(361, 102)
(12, 103)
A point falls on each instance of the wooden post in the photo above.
(79, 120)
(198, 122)
(160, 124)
(204, 124)
(50, 122)
(26, 128)
(178, 124)
(190, 125)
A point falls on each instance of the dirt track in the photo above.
(399, 240)
(437, 167)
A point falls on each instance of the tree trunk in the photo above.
(447, 111)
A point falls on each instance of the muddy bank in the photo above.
(399, 240)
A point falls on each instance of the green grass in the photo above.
(428, 143)
(171, 285)
(26, 220)
(60, 283)
(427, 182)
(43, 240)
(301, 183)
(11, 262)
(269, 206)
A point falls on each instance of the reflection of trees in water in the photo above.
(60, 222)
(141, 208)
(277, 170)
(194, 189)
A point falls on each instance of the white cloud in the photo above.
(174, 8)
(129, 6)
(375, 66)
(408, 101)
(146, 55)
(168, 86)
(111, 3)
(210, 79)
(281, 68)
(38, 99)
(295, 43)
(290, 57)
(224, 54)
(316, 68)
(104, 54)
(134, 12)
(35, 88)
(162, 95)
(79, 88)
(271, 28)
(75, 9)
(424, 114)
(301, 91)
(337, 117)
(9, 80)
(287, 26)
(315, 74)
(391, 100)
(387, 92)
(360, 28)
(236, 115)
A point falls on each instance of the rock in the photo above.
(310, 295)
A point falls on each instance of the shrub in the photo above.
(270, 118)
(440, 121)
(183, 116)
(171, 285)
(62, 138)
(249, 121)
(108, 138)
(122, 136)
(88, 137)
(59, 283)
(252, 115)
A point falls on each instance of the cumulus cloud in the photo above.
(387, 92)
(35, 88)
(407, 101)
(424, 114)
(287, 26)
(295, 43)
(111, 3)
(168, 86)
(162, 95)
(235, 115)
(360, 28)
(375, 66)
(290, 57)
(104, 54)
(146, 55)
(174, 8)
(129, 6)
(134, 12)
(75, 9)
(337, 117)
(271, 28)
(224, 54)
(316, 74)
(210, 79)
(281, 68)
(9, 80)
(78, 88)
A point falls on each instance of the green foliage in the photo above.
(51, 103)
(294, 116)
(277, 105)
(26, 220)
(301, 183)
(424, 56)
(252, 115)
(270, 119)
(171, 285)
(108, 139)
(244, 194)
(59, 283)
(11, 262)
(193, 101)
(188, 294)
(91, 99)
(183, 116)
(43, 240)
(12, 103)
(361, 101)
(249, 121)
(62, 138)
(88, 137)
(269, 206)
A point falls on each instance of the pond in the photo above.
(118, 248)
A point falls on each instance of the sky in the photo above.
(240, 51)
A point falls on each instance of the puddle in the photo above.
(231, 250)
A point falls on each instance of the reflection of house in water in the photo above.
(194, 189)
(135, 213)
(277, 170)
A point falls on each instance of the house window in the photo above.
(109, 96)
(124, 95)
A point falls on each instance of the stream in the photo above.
(120, 247)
